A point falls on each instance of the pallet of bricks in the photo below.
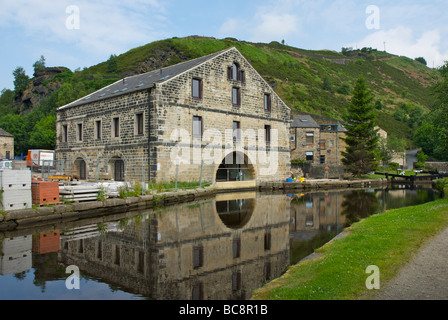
(16, 189)
(45, 192)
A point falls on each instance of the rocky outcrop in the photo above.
(39, 88)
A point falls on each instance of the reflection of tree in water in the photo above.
(359, 204)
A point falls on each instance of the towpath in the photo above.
(425, 277)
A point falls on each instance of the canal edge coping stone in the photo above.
(24, 218)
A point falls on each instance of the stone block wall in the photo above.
(101, 152)
(175, 108)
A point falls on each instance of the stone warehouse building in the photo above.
(6, 145)
(212, 118)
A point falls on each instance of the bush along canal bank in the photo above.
(340, 269)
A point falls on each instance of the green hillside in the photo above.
(318, 82)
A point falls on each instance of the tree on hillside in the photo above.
(432, 135)
(20, 80)
(440, 118)
(112, 64)
(39, 64)
(361, 137)
(421, 60)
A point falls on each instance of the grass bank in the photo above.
(386, 240)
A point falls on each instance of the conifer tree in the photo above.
(361, 137)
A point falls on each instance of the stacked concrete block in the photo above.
(15, 186)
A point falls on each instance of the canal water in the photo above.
(216, 249)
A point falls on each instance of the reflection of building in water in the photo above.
(312, 213)
(15, 255)
(189, 252)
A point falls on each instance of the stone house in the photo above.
(397, 157)
(6, 145)
(212, 118)
(316, 139)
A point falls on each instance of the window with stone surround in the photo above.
(79, 131)
(309, 138)
(139, 124)
(322, 144)
(309, 156)
(267, 102)
(197, 88)
(98, 130)
(235, 74)
(116, 127)
(236, 96)
(267, 134)
(197, 127)
(236, 131)
(64, 133)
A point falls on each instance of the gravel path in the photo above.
(425, 277)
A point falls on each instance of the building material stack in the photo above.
(15, 186)
(45, 192)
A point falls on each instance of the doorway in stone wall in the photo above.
(80, 168)
(119, 170)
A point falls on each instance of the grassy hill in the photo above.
(318, 82)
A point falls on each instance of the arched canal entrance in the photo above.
(236, 171)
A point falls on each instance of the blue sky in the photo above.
(82, 33)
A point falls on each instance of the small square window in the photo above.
(322, 144)
(309, 138)
(322, 159)
(310, 156)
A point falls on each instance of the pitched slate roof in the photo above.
(304, 121)
(3, 133)
(142, 81)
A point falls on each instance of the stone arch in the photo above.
(80, 168)
(236, 166)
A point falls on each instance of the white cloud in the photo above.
(229, 26)
(274, 26)
(403, 41)
(105, 26)
(273, 21)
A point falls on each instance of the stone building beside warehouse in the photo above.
(6, 145)
(212, 118)
(317, 140)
